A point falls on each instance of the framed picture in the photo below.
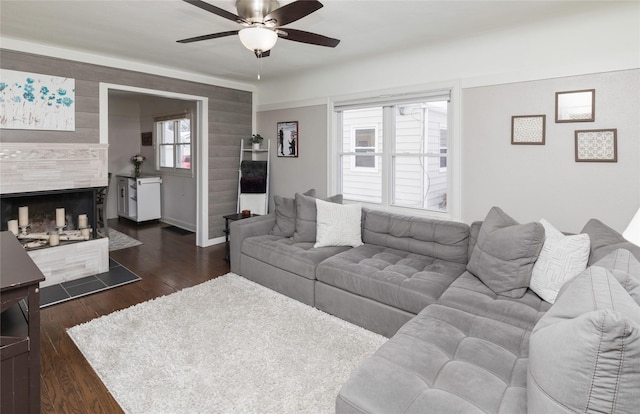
(528, 129)
(287, 134)
(576, 106)
(37, 101)
(597, 145)
(146, 139)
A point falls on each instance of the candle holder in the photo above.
(85, 232)
(61, 229)
(23, 229)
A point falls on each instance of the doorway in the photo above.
(186, 194)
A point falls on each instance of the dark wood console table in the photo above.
(20, 326)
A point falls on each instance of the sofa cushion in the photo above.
(397, 278)
(469, 294)
(561, 259)
(285, 209)
(626, 269)
(338, 225)
(284, 253)
(584, 352)
(306, 217)
(445, 240)
(505, 252)
(604, 240)
(444, 360)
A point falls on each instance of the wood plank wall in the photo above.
(230, 113)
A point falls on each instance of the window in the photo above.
(394, 152)
(173, 140)
(364, 143)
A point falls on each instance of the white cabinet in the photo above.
(139, 198)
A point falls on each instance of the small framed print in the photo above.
(576, 106)
(146, 139)
(528, 129)
(287, 134)
(597, 145)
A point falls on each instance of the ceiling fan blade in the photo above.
(209, 36)
(307, 37)
(216, 10)
(292, 12)
(260, 55)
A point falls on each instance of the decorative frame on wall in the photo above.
(597, 145)
(576, 106)
(287, 133)
(37, 101)
(146, 139)
(528, 129)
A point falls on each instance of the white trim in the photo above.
(213, 242)
(291, 104)
(40, 49)
(202, 138)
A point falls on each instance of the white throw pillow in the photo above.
(338, 224)
(562, 258)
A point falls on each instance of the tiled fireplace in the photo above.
(47, 178)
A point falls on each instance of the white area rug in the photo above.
(119, 240)
(225, 346)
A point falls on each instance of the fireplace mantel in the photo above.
(27, 167)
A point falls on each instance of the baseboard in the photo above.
(179, 223)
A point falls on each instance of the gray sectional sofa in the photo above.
(466, 333)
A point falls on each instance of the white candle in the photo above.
(23, 216)
(54, 239)
(85, 233)
(12, 226)
(83, 221)
(60, 220)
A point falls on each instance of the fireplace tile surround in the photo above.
(39, 168)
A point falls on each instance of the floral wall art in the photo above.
(36, 101)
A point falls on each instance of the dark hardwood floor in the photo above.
(166, 262)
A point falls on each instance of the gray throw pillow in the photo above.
(505, 253)
(306, 217)
(584, 352)
(285, 209)
(626, 269)
(604, 240)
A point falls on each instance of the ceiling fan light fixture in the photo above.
(257, 38)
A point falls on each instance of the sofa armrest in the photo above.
(241, 229)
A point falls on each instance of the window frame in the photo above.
(158, 133)
(396, 97)
(373, 154)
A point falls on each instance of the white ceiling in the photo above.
(146, 31)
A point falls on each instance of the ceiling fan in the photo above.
(263, 21)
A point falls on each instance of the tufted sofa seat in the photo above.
(443, 360)
(404, 280)
(469, 294)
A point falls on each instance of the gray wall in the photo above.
(230, 118)
(309, 169)
(543, 181)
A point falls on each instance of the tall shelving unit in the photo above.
(257, 202)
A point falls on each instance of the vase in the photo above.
(136, 171)
(256, 146)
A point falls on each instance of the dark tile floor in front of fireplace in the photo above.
(116, 276)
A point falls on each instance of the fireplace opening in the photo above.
(44, 216)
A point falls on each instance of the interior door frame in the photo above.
(202, 143)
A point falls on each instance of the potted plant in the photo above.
(256, 140)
